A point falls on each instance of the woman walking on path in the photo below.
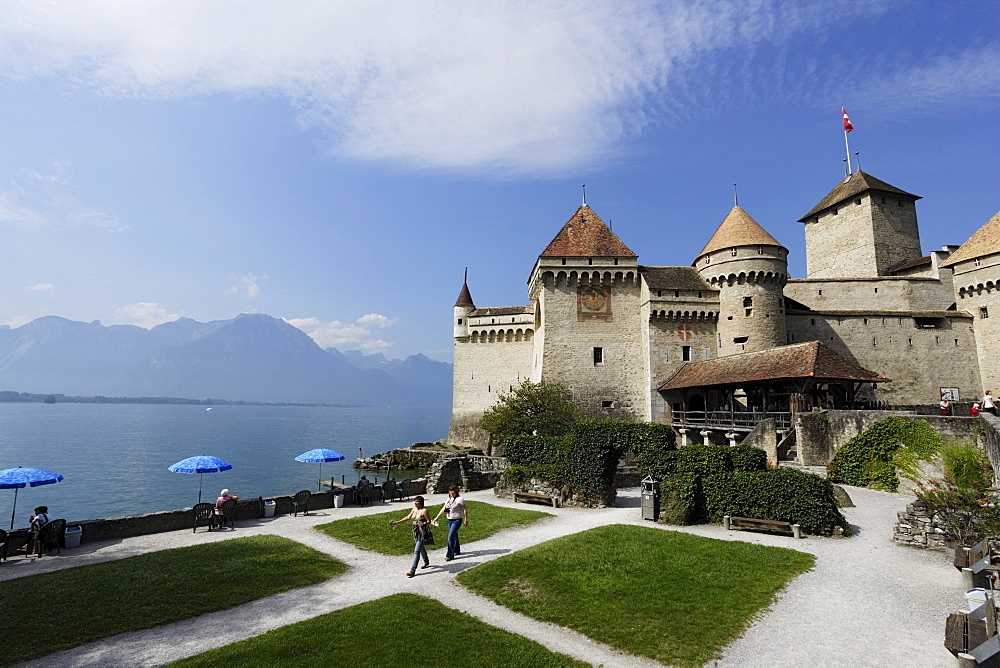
(457, 515)
(421, 534)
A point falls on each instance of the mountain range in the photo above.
(252, 357)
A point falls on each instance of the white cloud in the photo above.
(41, 287)
(144, 314)
(376, 320)
(246, 286)
(50, 199)
(360, 334)
(496, 86)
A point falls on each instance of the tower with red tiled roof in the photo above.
(749, 268)
(586, 291)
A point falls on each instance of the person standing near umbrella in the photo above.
(421, 534)
(457, 516)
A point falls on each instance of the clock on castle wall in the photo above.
(593, 302)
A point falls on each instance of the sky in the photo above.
(340, 164)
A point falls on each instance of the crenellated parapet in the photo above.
(683, 315)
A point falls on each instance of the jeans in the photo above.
(418, 552)
(454, 546)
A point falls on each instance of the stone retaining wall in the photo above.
(916, 527)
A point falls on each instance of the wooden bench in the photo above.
(534, 497)
(754, 524)
(972, 636)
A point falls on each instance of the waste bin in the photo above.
(269, 508)
(338, 501)
(72, 536)
(650, 499)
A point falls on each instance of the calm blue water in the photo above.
(114, 456)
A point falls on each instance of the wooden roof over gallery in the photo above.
(813, 361)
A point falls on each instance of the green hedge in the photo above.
(870, 458)
(592, 455)
(532, 450)
(747, 458)
(786, 494)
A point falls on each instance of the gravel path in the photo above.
(867, 601)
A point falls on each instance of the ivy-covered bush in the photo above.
(871, 459)
(679, 499)
(748, 458)
(592, 455)
(701, 460)
(532, 450)
(650, 443)
(785, 494)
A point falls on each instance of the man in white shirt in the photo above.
(457, 516)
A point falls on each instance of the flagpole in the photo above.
(848, 149)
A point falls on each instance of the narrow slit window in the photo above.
(685, 353)
(598, 356)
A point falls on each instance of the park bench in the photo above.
(754, 524)
(972, 636)
(535, 497)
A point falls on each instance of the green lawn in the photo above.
(54, 611)
(674, 597)
(373, 533)
(403, 630)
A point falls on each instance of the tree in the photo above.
(532, 409)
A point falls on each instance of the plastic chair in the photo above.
(403, 489)
(204, 512)
(51, 534)
(3, 545)
(301, 501)
(389, 489)
(225, 515)
(372, 493)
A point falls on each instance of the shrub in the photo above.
(871, 458)
(964, 506)
(786, 494)
(703, 460)
(679, 499)
(592, 456)
(748, 458)
(965, 461)
(651, 444)
(532, 450)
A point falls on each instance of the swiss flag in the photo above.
(847, 122)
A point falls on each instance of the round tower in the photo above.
(749, 268)
(463, 307)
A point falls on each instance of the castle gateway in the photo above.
(617, 333)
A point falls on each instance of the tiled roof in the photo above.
(985, 241)
(586, 235)
(465, 297)
(855, 184)
(803, 360)
(738, 229)
(501, 310)
(674, 278)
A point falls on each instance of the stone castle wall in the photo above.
(978, 288)
(885, 293)
(482, 371)
(618, 385)
(919, 361)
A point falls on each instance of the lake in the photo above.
(114, 457)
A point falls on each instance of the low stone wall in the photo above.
(417, 456)
(116, 528)
(916, 527)
(468, 472)
(543, 487)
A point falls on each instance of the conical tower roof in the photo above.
(586, 235)
(855, 184)
(738, 229)
(986, 241)
(465, 297)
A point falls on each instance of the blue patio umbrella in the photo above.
(320, 455)
(22, 477)
(201, 464)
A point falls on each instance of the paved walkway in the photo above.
(867, 601)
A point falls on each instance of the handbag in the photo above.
(430, 536)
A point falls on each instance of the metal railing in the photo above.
(739, 420)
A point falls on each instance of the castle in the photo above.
(875, 322)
